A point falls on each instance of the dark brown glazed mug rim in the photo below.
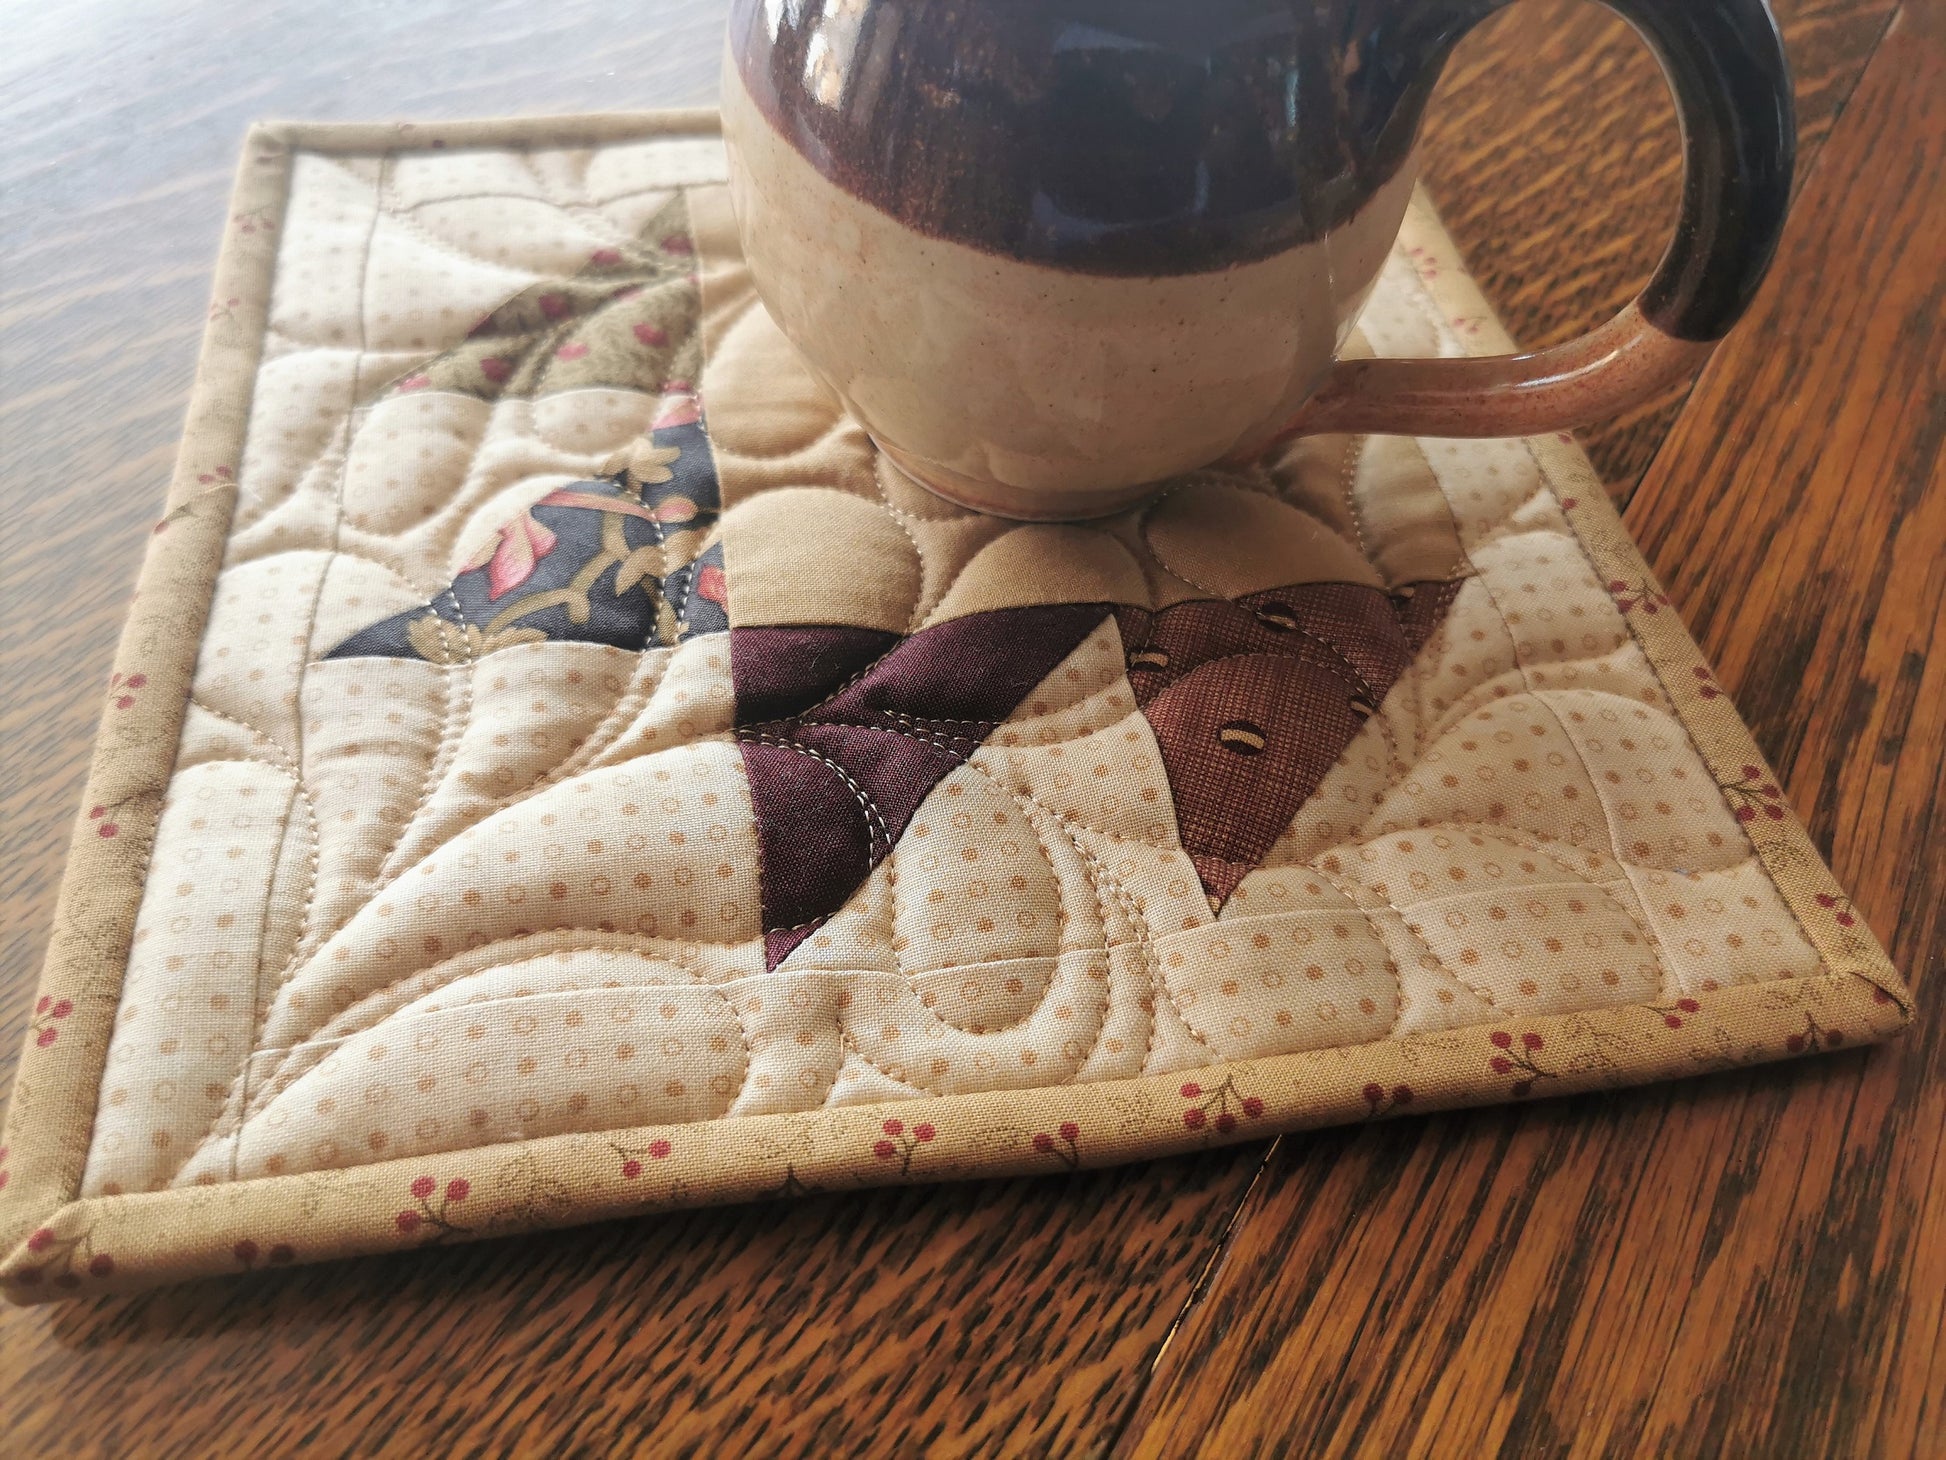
(1364, 70)
(1013, 144)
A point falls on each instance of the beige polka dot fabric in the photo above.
(368, 951)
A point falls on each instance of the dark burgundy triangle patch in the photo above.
(780, 673)
(845, 731)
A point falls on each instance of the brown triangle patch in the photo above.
(1253, 700)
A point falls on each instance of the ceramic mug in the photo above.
(1050, 252)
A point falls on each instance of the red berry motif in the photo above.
(1673, 1014)
(649, 335)
(127, 686)
(605, 258)
(1066, 1150)
(436, 1221)
(1380, 1101)
(1844, 914)
(246, 1253)
(1220, 1109)
(1633, 597)
(65, 1261)
(1519, 1060)
(1754, 795)
(656, 1150)
(900, 1144)
(48, 1014)
(1709, 689)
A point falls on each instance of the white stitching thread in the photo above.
(875, 825)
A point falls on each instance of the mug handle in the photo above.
(1725, 62)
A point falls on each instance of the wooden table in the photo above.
(1747, 1264)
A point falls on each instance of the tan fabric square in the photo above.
(555, 769)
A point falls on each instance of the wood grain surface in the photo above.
(1750, 1264)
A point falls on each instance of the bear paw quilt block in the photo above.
(556, 769)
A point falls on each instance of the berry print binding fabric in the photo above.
(554, 769)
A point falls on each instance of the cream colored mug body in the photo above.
(1052, 252)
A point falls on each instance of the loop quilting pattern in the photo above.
(591, 732)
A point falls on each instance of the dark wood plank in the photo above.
(1749, 1264)
(977, 1318)
(1551, 149)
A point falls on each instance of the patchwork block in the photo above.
(556, 769)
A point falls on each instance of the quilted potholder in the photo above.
(554, 770)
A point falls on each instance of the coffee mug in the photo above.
(1052, 252)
